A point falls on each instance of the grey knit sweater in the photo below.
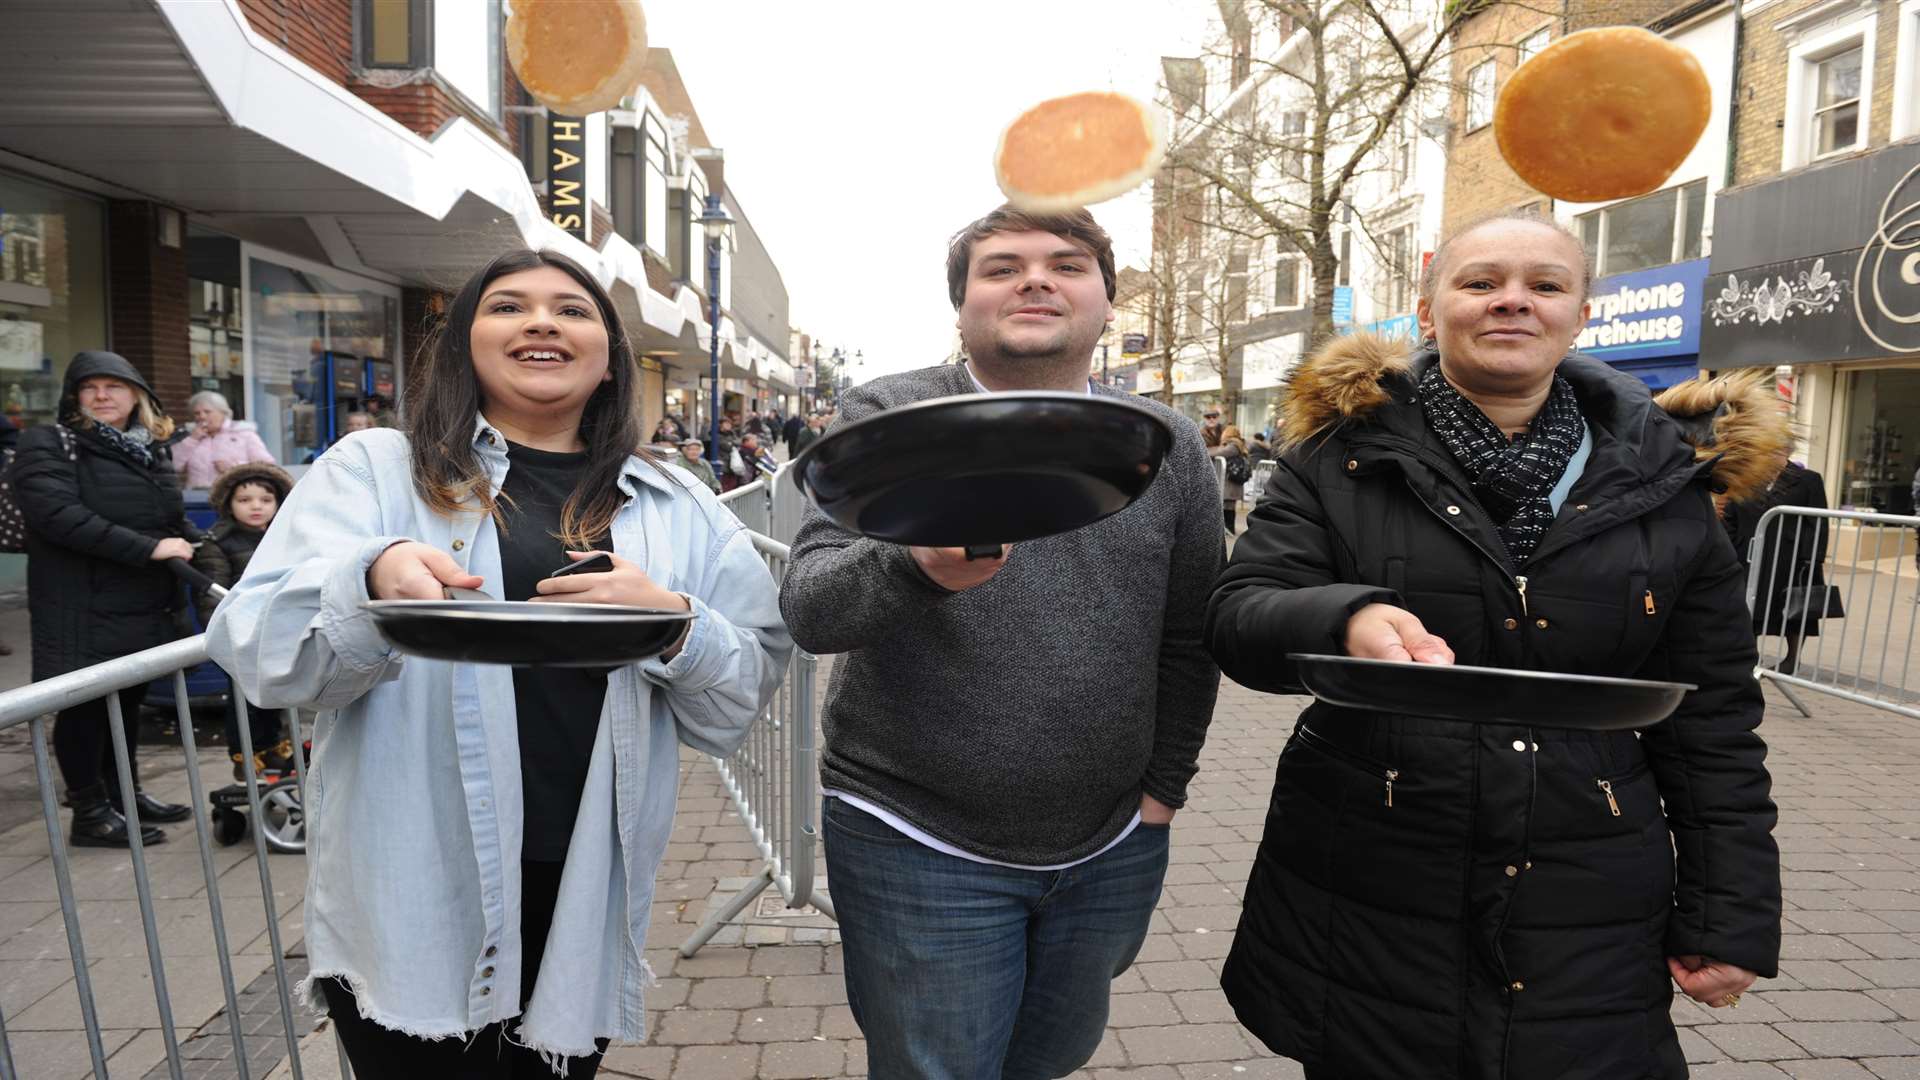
(1019, 720)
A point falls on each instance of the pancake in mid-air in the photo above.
(1073, 151)
(577, 56)
(1601, 114)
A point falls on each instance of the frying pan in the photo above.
(981, 470)
(474, 628)
(1489, 695)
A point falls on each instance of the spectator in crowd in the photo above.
(1793, 557)
(996, 845)
(103, 511)
(1210, 428)
(482, 906)
(381, 410)
(357, 421)
(664, 435)
(729, 464)
(755, 460)
(790, 434)
(246, 497)
(1239, 469)
(755, 424)
(1259, 449)
(809, 431)
(217, 443)
(691, 459)
(1433, 897)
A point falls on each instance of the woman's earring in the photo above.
(1428, 343)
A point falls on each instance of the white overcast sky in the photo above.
(859, 135)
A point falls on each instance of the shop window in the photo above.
(1480, 95)
(1652, 230)
(52, 293)
(1882, 441)
(395, 33)
(323, 343)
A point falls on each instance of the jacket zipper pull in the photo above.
(1606, 787)
(1520, 583)
(1651, 610)
(1392, 775)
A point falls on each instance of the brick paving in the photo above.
(765, 998)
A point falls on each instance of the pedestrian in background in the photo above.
(809, 432)
(692, 461)
(997, 843)
(103, 511)
(486, 838)
(1793, 592)
(663, 434)
(1233, 450)
(217, 443)
(755, 460)
(246, 497)
(1210, 428)
(790, 434)
(1259, 449)
(1433, 897)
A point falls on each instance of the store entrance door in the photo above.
(1882, 441)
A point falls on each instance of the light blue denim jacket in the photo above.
(413, 884)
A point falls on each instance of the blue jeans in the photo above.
(957, 970)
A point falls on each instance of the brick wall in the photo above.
(147, 309)
(1478, 179)
(1761, 123)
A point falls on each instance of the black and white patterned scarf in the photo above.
(135, 442)
(1512, 479)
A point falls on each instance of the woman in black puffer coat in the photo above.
(1469, 902)
(103, 509)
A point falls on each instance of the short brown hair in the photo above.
(1077, 226)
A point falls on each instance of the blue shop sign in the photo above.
(1646, 314)
(1342, 305)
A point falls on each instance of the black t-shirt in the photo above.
(559, 708)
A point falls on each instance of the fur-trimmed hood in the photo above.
(253, 472)
(1736, 421)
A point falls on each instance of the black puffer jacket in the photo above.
(93, 518)
(1492, 915)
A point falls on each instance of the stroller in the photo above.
(282, 822)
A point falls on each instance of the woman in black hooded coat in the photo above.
(103, 510)
(1468, 902)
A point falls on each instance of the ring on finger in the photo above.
(1731, 1001)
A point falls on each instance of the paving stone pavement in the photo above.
(765, 999)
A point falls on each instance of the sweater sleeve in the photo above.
(211, 559)
(1282, 592)
(1189, 681)
(1710, 764)
(843, 591)
(47, 486)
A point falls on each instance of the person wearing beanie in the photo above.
(246, 497)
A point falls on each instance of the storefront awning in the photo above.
(182, 103)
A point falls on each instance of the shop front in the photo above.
(1818, 273)
(53, 292)
(1647, 323)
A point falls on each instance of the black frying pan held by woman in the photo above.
(978, 470)
(1485, 695)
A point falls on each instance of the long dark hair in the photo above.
(446, 397)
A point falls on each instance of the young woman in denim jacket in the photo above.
(484, 842)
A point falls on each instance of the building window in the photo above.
(1196, 310)
(1395, 292)
(1400, 157)
(395, 33)
(1293, 133)
(1652, 230)
(1480, 95)
(1236, 288)
(1531, 45)
(1286, 282)
(1836, 103)
(1340, 274)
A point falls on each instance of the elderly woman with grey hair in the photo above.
(218, 442)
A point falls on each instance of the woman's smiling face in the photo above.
(539, 342)
(1507, 304)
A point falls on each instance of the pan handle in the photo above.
(983, 551)
(186, 572)
(464, 594)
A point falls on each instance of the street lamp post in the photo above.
(715, 220)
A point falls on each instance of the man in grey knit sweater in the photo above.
(1007, 739)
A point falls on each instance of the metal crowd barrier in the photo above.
(773, 779)
(1262, 472)
(1841, 584)
(33, 705)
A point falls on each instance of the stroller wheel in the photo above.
(283, 823)
(229, 826)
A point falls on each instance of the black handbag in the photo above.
(1806, 602)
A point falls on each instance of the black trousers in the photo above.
(83, 746)
(379, 1053)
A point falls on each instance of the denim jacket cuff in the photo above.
(691, 664)
(346, 623)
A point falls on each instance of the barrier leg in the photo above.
(1787, 692)
(735, 906)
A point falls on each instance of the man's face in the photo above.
(691, 451)
(1213, 419)
(1032, 295)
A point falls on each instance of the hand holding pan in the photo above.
(1483, 695)
(977, 471)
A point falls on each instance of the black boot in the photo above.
(97, 824)
(150, 808)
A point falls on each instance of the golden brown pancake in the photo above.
(1069, 152)
(1602, 114)
(577, 56)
